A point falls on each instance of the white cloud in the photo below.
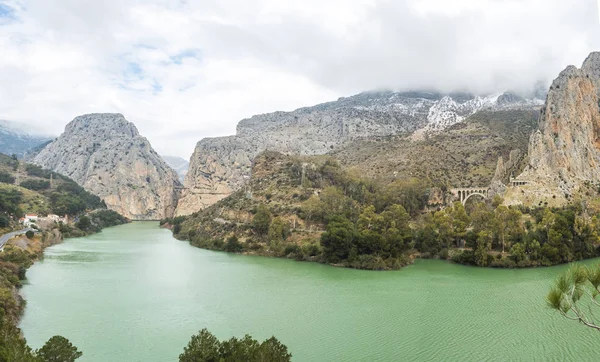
(184, 70)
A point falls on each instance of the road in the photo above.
(4, 238)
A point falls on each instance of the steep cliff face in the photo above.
(106, 155)
(564, 153)
(220, 166)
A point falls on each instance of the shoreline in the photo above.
(411, 258)
(58, 238)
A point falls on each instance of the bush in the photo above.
(467, 257)
(6, 178)
(262, 220)
(233, 245)
(35, 185)
(177, 228)
(37, 171)
(292, 249)
(84, 223)
(4, 221)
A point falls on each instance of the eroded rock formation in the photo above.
(564, 153)
(106, 155)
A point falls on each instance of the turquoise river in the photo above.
(134, 293)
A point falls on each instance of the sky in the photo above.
(182, 70)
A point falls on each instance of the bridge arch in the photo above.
(464, 202)
(463, 194)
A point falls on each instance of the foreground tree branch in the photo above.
(574, 291)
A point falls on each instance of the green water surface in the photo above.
(134, 293)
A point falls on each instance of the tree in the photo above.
(547, 222)
(484, 245)
(262, 220)
(84, 223)
(443, 222)
(233, 245)
(58, 349)
(29, 234)
(497, 201)
(575, 295)
(279, 230)
(426, 237)
(482, 217)
(313, 208)
(506, 224)
(460, 220)
(518, 252)
(369, 220)
(203, 347)
(272, 350)
(339, 238)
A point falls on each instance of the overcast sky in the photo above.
(184, 70)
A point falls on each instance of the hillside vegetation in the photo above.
(27, 188)
(311, 208)
(464, 155)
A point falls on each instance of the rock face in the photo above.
(106, 155)
(564, 153)
(220, 166)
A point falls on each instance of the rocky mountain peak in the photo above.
(103, 124)
(564, 153)
(106, 155)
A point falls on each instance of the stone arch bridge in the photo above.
(463, 194)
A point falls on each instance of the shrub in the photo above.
(176, 228)
(233, 245)
(35, 185)
(6, 177)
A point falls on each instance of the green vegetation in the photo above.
(310, 208)
(35, 185)
(575, 295)
(464, 155)
(6, 177)
(92, 223)
(205, 347)
(58, 349)
(62, 196)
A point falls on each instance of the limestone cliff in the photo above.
(106, 155)
(220, 166)
(564, 153)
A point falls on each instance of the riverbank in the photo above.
(18, 255)
(309, 248)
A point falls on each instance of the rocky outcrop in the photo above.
(106, 155)
(564, 153)
(220, 166)
(506, 170)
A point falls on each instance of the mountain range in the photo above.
(17, 139)
(219, 166)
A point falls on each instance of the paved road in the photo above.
(4, 238)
